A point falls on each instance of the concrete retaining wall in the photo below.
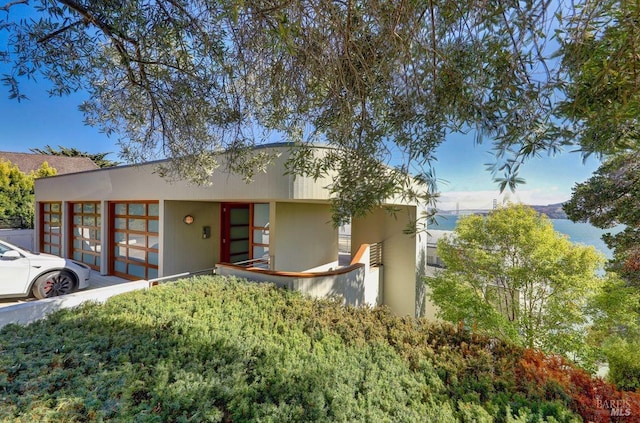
(29, 312)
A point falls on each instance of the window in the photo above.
(260, 233)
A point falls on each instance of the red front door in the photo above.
(236, 227)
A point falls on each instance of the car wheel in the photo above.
(52, 284)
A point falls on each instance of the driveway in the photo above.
(96, 280)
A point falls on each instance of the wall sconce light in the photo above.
(188, 219)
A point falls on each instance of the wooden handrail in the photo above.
(359, 254)
(339, 271)
(375, 254)
(355, 264)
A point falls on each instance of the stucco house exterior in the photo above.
(128, 221)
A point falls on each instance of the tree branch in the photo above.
(8, 5)
(108, 30)
(434, 44)
(120, 40)
(60, 31)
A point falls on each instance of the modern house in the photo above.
(130, 222)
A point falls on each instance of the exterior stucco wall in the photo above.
(424, 307)
(399, 255)
(142, 182)
(358, 284)
(302, 237)
(351, 285)
(184, 248)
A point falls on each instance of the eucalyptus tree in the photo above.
(609, 198)
(384, 83)
(602, 101)
(601, 75)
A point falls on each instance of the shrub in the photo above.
(552, 378)
(215, 349)
(624, 364)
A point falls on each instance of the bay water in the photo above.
(578, 232)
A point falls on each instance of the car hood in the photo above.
(50, 260)
(44, 257)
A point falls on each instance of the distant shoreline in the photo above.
(552, 211)
(578, 232)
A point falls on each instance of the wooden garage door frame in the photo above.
(50, 216)
(133, 239)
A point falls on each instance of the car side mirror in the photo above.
(11, 255)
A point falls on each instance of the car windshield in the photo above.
(4, 247)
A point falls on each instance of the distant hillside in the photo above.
(553, 211)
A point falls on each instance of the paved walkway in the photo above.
(96, 280)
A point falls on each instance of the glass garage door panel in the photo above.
(50, 236)
(135, 240)
(86, 244)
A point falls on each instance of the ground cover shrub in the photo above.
(215, 349)
(205, 350)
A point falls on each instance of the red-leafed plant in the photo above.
(551, 377)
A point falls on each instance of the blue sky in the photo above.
(44, 120)
(465, 183)
(55, 121)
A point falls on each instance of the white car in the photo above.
(23, 272)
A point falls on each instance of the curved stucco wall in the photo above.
(399, 250)
(303, 237)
